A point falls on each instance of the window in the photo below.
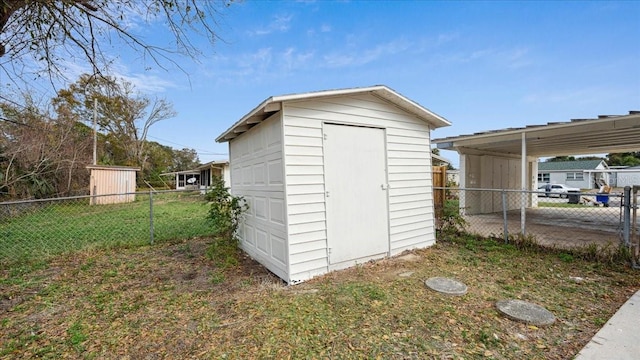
(575, 176)
(544, 177)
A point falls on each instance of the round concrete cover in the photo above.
(525, 312)
(446, 286)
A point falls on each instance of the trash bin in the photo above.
(574, 197)
(603, 199)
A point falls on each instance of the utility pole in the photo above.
(95, 130)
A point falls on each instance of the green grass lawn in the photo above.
(559, 205)
(56, 227)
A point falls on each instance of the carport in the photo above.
(508, 158)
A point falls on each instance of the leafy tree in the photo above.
(185, 159)
(624, 159)
(160, 161)
(561, 158)
(123, 115)
(46, 32)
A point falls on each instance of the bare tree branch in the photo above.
(42, 32)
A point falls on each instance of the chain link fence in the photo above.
(42, 228)
(566, 220)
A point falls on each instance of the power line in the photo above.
(200, 151)
(13, 122)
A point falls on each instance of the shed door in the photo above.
(356, 196)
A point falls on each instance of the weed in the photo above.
(186, 250)
(565, 257)
(524, 242)
(599, 322)
(76, 336)
(217, 277)
(111, 273)
(88, 265)
(224, 253)
(487, 339)
(449, 220)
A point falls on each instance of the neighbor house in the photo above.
(622, 176)
(201, 177)
(333, 179)
(213, 169)
(581, 174)
(187, 179)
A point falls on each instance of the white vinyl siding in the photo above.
(257, 175)
(411, 223)
(303, 154)
(284, 166)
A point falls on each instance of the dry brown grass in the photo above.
(171, 301)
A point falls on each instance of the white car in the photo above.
(560, 190)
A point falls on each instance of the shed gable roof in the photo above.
(274, 104)
(569, 165)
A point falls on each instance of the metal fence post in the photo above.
(151, 216)
(626, 225)
(504, 216)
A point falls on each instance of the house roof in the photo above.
(274, 104)
(607, 133)
(197, 170)
(569, 165)
(440, 158)
(183, 172)
(212, 164)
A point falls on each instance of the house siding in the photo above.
(628, 177)
(558, 172)
(410, 200)
(257, 175)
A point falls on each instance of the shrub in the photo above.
(449, 220)
(225, 215)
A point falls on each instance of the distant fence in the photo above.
(41, 228)
(560, 220)
(439, 177)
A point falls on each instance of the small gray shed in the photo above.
(333, 178)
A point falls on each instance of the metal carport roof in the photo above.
(606, 134)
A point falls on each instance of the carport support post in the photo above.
(504, 216)
(523, 182)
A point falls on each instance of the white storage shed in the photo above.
(333, 178)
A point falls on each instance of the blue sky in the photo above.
(481, 65)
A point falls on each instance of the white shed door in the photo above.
(356, 195)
